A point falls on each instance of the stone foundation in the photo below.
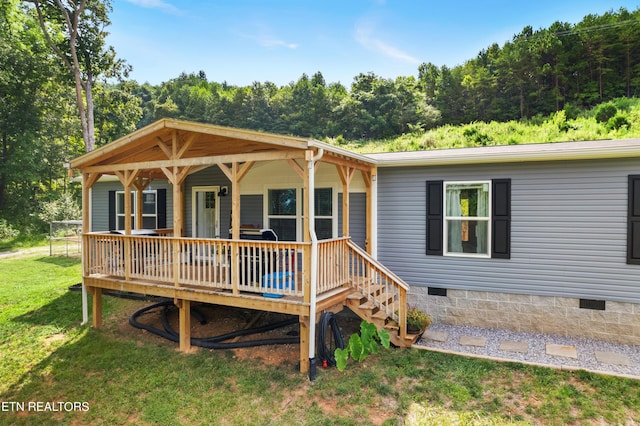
(619, 322)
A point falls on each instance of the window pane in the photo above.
(467, 200)
(324, 202)
(120, 203)
(324, 229)
(467, 236)
(149, 203)
(282, 202)
(285, 229)
(149, 222)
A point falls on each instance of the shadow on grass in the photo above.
(61, 261)
(64, 311)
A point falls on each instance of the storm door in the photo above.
(206, 212)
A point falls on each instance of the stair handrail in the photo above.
(396, 280)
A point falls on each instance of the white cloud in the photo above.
(365, 37)
(157, 4)
(265, 38)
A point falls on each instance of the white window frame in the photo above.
(300, 208)
(447, 218)
(134, 207)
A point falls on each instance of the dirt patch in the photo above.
(214, 320)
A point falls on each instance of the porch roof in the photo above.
(167, 143)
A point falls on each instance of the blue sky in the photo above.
(241, 41)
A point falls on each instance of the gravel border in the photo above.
(586, 349)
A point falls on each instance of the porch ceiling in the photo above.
(167, 143)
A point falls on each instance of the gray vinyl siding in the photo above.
(568, 230)
(357, 217)
(100, 202)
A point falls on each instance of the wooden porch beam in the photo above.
(338, 161)
(226, 170)
(296, 167)
(187, 145)
(198, 161)
(90, 179)
(244, 170)
(163, 147)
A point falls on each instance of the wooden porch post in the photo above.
(140, 184)
(185, 324)
(235, 175)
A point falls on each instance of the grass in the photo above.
(22, 241)
(129, 378)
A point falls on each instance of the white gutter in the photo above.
(314, 263)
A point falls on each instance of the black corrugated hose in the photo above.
(216, 342)
(330, 338)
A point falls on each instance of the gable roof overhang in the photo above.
(175, 143)
(554, 151)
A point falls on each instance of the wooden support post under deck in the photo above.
(185, 324)
(97, 307)
(304, 344)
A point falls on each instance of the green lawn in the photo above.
(49, 359)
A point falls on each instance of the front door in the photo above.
(206, 212)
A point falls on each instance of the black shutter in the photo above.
(112, 210)
(434, 217)
(161, 207)
(633, 221)
(501, 219)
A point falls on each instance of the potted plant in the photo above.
(417, 321)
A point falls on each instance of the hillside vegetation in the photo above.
(617, 119)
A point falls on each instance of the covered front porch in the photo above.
(301, 276)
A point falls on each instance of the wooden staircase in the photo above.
(379, 296)
(366, 310)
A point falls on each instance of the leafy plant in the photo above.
(63, 208)
(617, 122)
(605, 111)
(363, 344)
(7, 231)
(418, 319)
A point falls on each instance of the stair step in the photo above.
(380, 315)
(367, 306)
(355, 296)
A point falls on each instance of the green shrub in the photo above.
(63, 208)
(604, 112)
(617, 122)
(7, 232)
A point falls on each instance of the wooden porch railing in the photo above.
(266, 267)
(262, 266)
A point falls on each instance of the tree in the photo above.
(75, 32)
(36, 117)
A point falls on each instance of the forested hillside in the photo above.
(566, 66)
(571, 81)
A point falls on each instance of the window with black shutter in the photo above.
(459, 222)
(633, 221)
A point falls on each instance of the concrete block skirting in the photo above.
(618, 323)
